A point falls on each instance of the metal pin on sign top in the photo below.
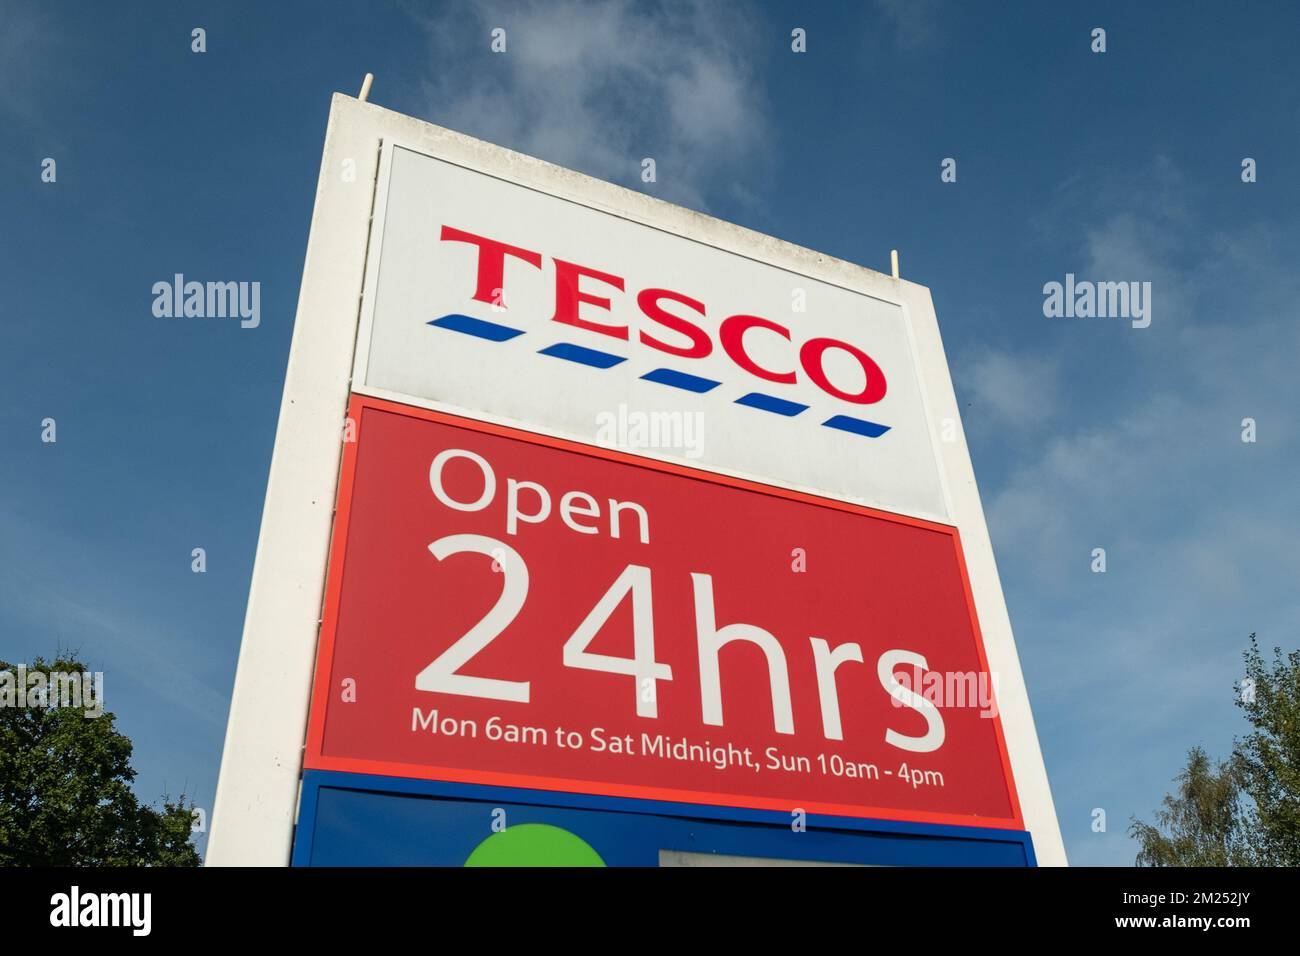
(893, 255)
(365, 87)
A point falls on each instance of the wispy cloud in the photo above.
(26, 36)
(915, 23)
(1164, 404)
(1010, 388)
(600, 86)
(62, 607)
(1146, 460)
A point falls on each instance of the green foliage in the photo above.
(1246, 810)
(1202, 825)
(1267, 761)
(65, 792)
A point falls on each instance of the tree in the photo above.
(1246, 810)
(1267, 761)
(1202, 825)
(65, 786)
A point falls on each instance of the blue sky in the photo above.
(1119, 166)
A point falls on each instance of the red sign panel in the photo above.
(514, 610)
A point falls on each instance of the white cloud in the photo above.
(1009, 388)
(600, 86)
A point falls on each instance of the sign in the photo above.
(486, 297)
(609, 512)
(523, 611)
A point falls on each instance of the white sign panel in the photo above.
(491, 298)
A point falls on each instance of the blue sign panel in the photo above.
(361, 820)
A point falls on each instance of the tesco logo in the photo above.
(584, 297)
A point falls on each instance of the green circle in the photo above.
(534, 844)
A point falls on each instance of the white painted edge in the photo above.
(256, 801)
